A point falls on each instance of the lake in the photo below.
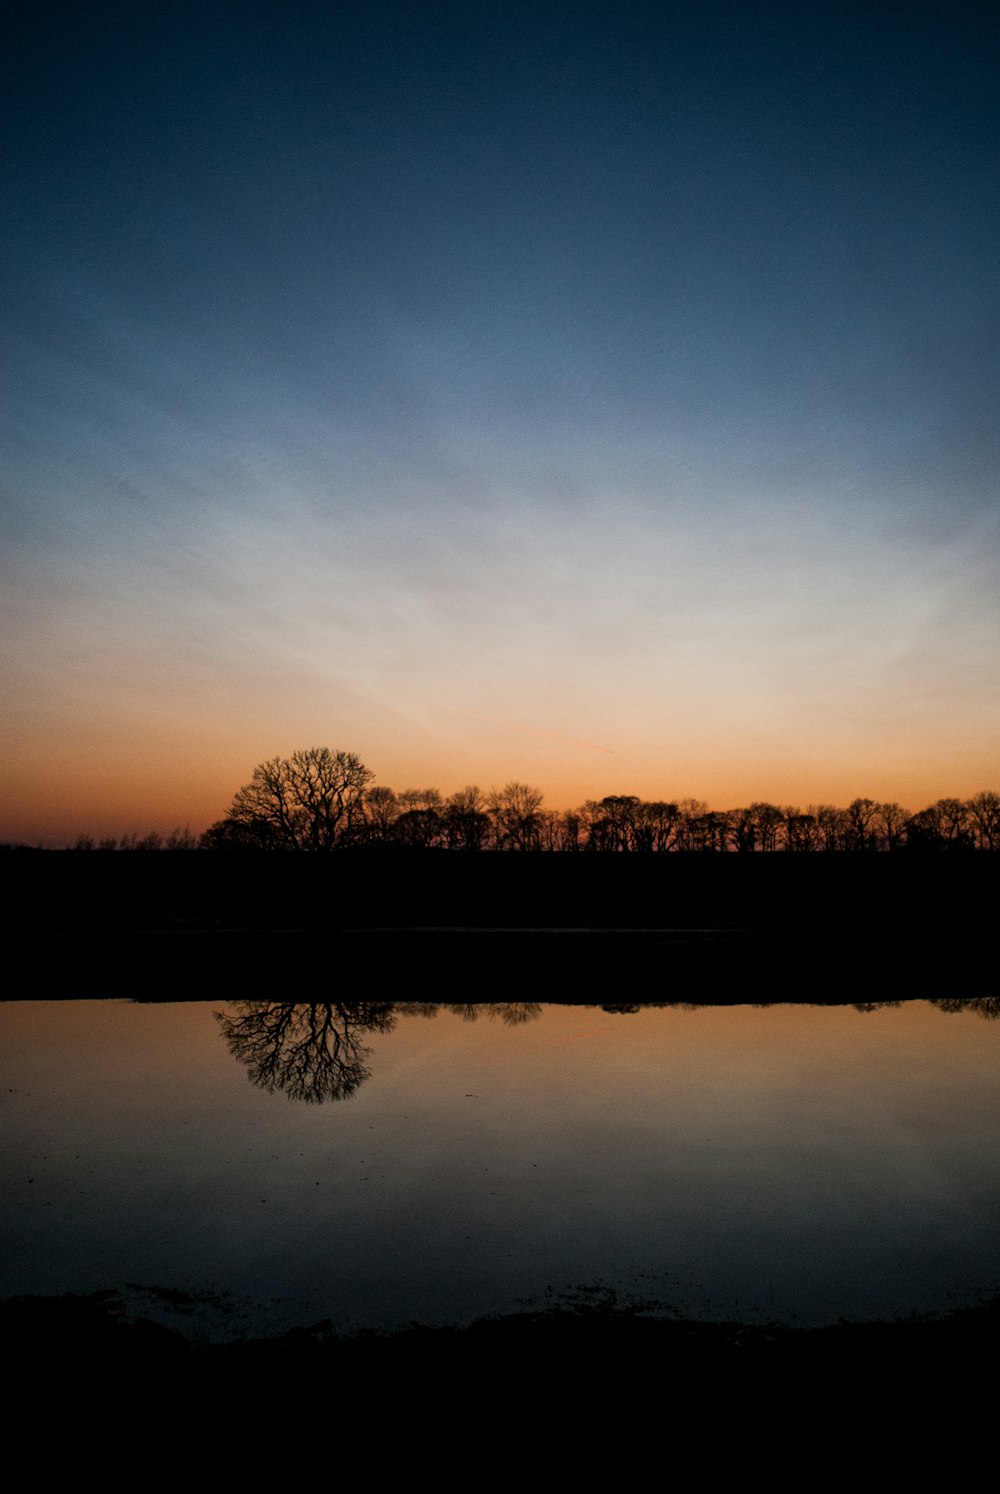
(249, 1166)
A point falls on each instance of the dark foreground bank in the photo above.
(90, 1340)
(768, 926)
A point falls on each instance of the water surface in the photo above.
(377, 1163)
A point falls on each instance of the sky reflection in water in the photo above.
(799, 1162)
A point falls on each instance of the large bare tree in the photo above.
(311, 801)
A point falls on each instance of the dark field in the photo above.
(596, 1344)
(674, 928)
(820, 927)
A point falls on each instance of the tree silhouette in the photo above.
(318, 800)
(311, 801)
(310, 1052)
(514, 812)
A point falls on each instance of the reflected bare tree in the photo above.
(510, 1013)
(983, 1006)
(311, 1052)
(316, 1051)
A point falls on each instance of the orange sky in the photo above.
(614, 414)
(114, 777)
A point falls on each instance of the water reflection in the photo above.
(315, 1051)
(983, 1006)
(802, 1161)
(510, 1013)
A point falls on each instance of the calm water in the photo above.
(378, 1163)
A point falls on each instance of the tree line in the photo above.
(321, 800)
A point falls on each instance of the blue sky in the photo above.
(474, 388)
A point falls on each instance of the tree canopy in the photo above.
(319, 800)
(311, 801)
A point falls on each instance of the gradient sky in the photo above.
(601, 396)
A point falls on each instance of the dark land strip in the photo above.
(671, 927)
(75, 1341)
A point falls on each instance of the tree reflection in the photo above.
(983, 1006)
(316, 1052)
(510, 1013)
(311, 1052)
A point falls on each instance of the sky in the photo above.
(598, 396)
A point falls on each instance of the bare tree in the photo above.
(412, 798)
(891, 822)
(469, 799)
(831, 825)
(689, 813)
(311, 801)
(465, 821)
(862, 825)
(954, 821)
(417, 828)
(381, 812)
(801, 831)
(513, 810)
(984, 818)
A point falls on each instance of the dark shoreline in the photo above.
(91, 1337)
(196, 925)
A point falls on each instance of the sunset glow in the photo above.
(599, 400)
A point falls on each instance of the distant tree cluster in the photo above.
(318, 800)
(177, 840)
